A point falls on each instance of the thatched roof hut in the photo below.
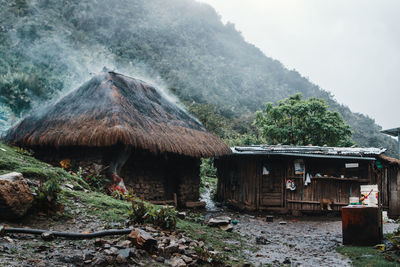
(115, 109)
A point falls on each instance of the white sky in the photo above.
(348, 47)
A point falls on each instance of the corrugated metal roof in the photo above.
(392, 132)
(311, 151)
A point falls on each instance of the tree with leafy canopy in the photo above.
(295, 121)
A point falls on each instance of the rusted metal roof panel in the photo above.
(311, 151)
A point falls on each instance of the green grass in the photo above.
(216, 238)
(366, 256)
(98, 204)
(104, 208)
(14, 159)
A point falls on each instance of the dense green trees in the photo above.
(294, 121)
(48, 46)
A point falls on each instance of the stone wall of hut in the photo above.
(157, 178)
(151, 177)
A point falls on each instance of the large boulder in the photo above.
(219, 221)
(15, 196)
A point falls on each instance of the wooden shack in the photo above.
(285, 178)
(388, 172)
(124, 128)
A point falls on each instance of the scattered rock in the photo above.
(287, 261)
(177, 262)
(218, 221)
(169, 250)
(260, 240)
(110, 260)
(269, 218)
(142, 239)
(125, 243)
(150, 229)
(99, 242)
(15, 196)
(47, 236)
(190, 252)
(227, 228)
(98, 261)
(200, 244)
(160, 259)
(186, 259)
(121, 259)
(108, 252)
(114, 250)
(125, 252)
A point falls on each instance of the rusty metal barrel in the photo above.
(361, 225)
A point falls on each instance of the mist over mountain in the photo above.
(48, 47)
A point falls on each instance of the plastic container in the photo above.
(354, 201)
(385, 217)
(369, 195)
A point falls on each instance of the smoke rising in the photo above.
(51, 43)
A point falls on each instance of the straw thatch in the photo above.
(389, 160)
(115, 109)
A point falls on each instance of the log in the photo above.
(143, 240)
(195, 204)
(67, 235)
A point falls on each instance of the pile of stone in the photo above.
(148, 244)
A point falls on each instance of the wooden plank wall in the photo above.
(393, 178)
(238, 181)
(241, 183)
(338, 190)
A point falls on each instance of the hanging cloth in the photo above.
(308, 179)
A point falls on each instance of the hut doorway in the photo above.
(271, 184)
(171, 183)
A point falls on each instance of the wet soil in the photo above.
(294, 241)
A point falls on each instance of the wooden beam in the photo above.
(315, 202)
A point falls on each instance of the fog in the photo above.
(350, 48)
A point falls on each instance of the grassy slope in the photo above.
(102, 207)
(366, 257)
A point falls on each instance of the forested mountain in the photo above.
(49, 46)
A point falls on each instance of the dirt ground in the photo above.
(301, 241)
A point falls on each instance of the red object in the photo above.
(118, 184)
(361, 225)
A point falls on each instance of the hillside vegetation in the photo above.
(48, 47)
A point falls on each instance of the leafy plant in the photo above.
(294, 121)
(164, 217)
(207, 168)
(46, 195)
(139, 212)
(97, 181)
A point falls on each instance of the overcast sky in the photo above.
(348, 47)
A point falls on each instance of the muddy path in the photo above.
(292, 241)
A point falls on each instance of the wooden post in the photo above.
(175, 200)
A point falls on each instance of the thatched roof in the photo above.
(389, 160)
(111, 109)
